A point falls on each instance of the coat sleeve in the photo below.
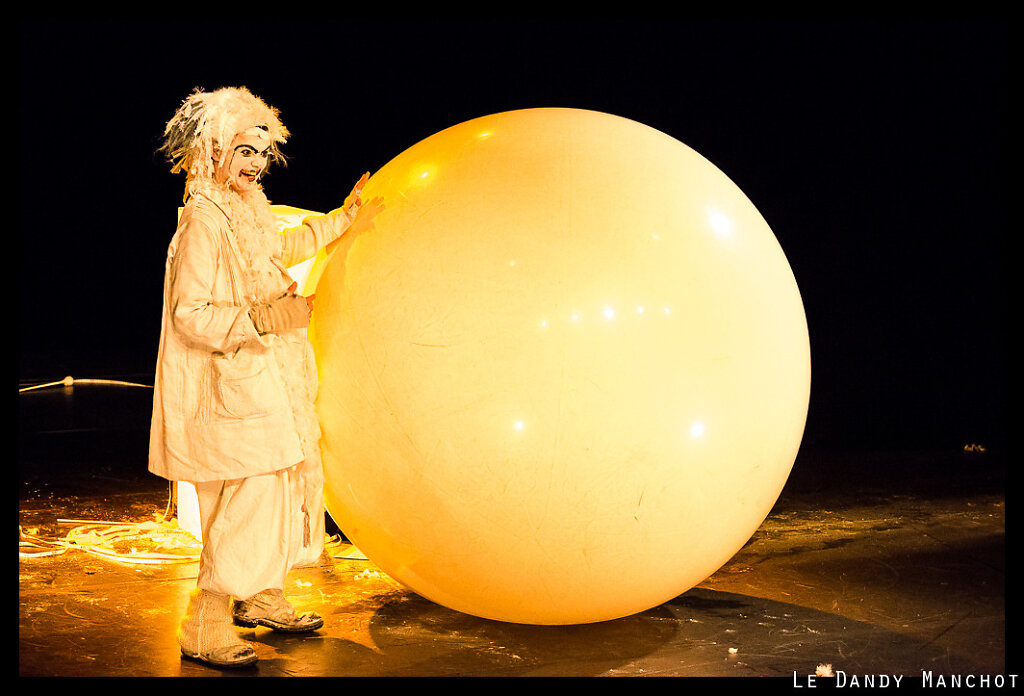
(195, 313)
(315, 232)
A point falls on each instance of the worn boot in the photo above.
(269, 608)
(206, 632)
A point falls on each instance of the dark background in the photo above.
(874, 149)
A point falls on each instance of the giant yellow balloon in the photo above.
(566, 377)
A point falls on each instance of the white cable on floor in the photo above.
(127, 542)
(70, 381)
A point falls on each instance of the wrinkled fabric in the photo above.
(228, 402)
(286, 312)
(249, 529)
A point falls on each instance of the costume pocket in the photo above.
(245, 385)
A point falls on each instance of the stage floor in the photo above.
(880, 565)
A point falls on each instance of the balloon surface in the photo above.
(566, 376)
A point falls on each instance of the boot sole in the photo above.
(283, 628)
(216, 663)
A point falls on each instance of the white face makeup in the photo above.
(246, 160)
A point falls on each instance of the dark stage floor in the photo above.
(876, 564)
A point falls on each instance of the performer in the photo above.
(233, 404)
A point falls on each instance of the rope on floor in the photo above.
(151, 543)
(130, 542)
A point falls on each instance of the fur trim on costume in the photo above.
(256, 232)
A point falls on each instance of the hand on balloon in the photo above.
(357, 209)
(354, 199)
(360, 212)
(365, 215)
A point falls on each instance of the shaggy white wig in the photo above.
(198, 136)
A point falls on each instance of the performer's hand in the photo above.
(289, 311)
(367, 212)
(354, 200)
(293, 288)
(363, 221)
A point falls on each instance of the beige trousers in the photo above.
(249, 529)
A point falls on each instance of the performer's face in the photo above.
(245, 162)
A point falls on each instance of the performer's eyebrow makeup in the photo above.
(250, 147)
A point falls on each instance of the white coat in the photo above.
(220, 406)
